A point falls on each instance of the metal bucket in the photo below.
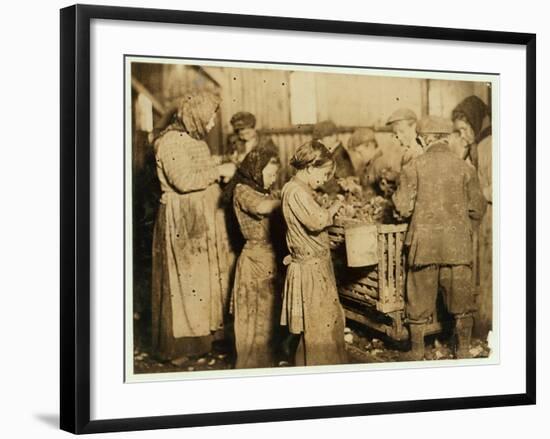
(361, 245)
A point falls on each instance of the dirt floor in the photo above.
(362, 345)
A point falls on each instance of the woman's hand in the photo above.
(226, 171)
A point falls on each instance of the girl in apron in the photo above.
(311, 307)
(256, 296)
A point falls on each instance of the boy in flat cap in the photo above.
(441, 195)
(403, 123)
(245, 137)
(326, 132)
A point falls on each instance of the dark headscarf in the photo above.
(474, 110)
(192, 114)
(250, 170)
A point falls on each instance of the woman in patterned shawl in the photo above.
(190, 245)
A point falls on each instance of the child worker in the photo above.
(256, 292)
(311, 306)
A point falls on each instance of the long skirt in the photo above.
(191, 270)
(311, 307)
(485, 298)
(256, 306)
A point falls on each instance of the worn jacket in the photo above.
(236, 148)
(441, 195)
(344, 168)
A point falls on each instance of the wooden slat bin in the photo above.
(375, 295)
(380, 287)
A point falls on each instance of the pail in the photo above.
(361, 245)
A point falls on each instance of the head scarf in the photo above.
(192, 114)
(250, 170)
(474, 111)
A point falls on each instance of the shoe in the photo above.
(417, 343)
(463, 331)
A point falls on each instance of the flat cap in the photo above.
(435, 125)
(243, 119)
(401, 114)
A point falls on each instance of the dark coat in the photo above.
(344, 168)
(442, 195)
(237, 147)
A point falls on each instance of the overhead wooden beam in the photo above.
(215, 75)
(140, 88)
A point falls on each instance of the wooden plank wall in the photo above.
(359, 100)
(443, 96)
(350, 100)
(263, 93)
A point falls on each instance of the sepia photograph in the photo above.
(281, 217)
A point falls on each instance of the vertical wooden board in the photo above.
(228, 104)
(261, 100)
(291, 149)
(281, 142)
(233, 100)
(238, 93)
(302, 98)
(269, 98)
(398, 265)
(251, 91)
(475, 265)
(269, 95)
(321, 92)
(245, 90)
(404, 263)
(224, 104)
(391, 260)
(281, 104)
(284, 115)
(289, 145)
(381, 264)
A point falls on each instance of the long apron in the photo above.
(255, 305)
(191, 265)
(311, 307)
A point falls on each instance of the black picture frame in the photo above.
(75, 217)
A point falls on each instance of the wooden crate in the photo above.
(380, 287)
(385, 281)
